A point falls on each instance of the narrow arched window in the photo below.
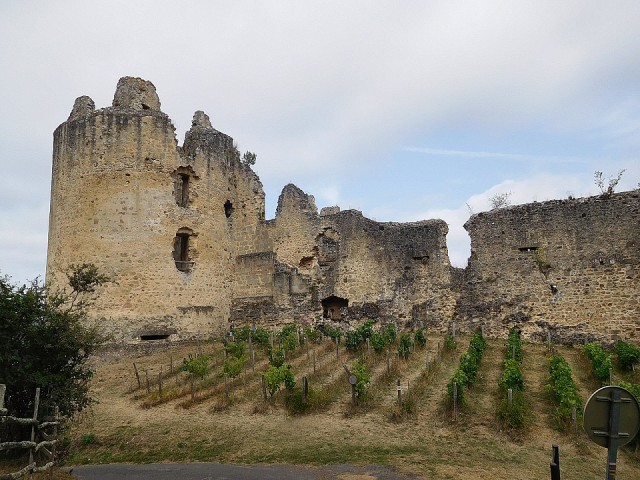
(183, 250)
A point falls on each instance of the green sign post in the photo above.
(611, 419)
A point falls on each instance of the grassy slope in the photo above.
(427, 443)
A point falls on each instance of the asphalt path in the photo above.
(217, 471)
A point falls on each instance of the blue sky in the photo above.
(405, 111)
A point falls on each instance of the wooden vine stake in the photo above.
(305, 388)
(388, 364)
(264, 389)
(135, 369)
(146, 375)
(455, 401)
(399, 388)
(510, 398)
(36, 405)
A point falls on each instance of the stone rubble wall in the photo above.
(125, 195)
(570, 267)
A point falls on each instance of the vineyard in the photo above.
(455, 407)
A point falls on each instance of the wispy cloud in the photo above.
(497, 155)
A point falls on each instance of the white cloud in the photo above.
(321, 91)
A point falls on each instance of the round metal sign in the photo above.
(597, 415)
(353, 379)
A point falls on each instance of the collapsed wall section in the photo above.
(345, 267)
(569, 267)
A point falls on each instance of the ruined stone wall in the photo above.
(571, 267)
(182, 232)
(116, 178)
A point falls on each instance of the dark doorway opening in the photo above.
(334, 307)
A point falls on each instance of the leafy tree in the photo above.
(45, 342)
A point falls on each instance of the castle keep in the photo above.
(182, 232)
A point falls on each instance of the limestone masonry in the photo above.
(182, 231)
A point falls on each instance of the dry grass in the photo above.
(248, 430)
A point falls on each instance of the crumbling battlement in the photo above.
(182, 231)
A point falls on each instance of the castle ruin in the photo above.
(182, 231)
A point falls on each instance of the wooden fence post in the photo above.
(160, 383)
(388, 364)
(305, 388)
(3, 389)
(36, 405)
(455, 401)
(399, 388)
(135, 369)
(146, 374)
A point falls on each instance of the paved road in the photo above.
(216, 471)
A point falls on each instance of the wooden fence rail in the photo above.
(45, 447)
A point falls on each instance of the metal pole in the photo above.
(614, 441)
(555, 463)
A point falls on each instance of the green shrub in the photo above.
(232, 367)
(404, 345)
(564, 390)
(359, 369)
(276, 357)
(332, 332)
(514, 345)
(420, 338)
(449, 343)
(461, 381)
(242, 333)
(235, 349)
(390, 331)
(600, 361)
(275, 377)
(519, 416)
(198, 366)
(469, 365)
(379, 341)
(352, 340)
(511, 376)
(633, 388)
(628, 355)
(312, 334)
(260, 337)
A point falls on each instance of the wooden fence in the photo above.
(41, 444)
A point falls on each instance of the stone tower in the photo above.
(163, 221)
